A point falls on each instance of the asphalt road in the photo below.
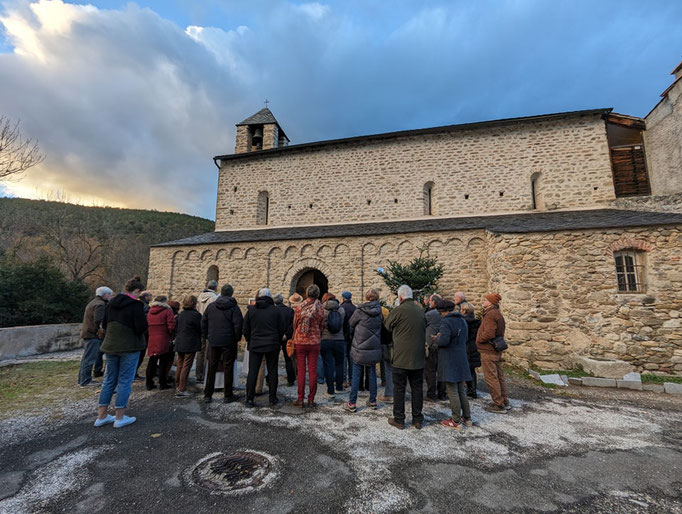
(616, 453)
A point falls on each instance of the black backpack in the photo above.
(334, 322)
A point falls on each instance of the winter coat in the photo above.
(348, 308)
(492, 326)
(472, 352)
(222, 322)
(92, 318)
(188, 331)
(287, 314)
(161, 321)
(125, 323)
(408, 327)
(308, 322)
(205, 299)
(264, 326)
(329, 306)
(365, 330)
(433, 319)
(453, 365)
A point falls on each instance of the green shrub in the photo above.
(37, 293)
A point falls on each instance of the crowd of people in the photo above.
(441, 342)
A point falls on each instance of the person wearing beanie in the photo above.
(453, 366)
(492, 326)
(348, 309)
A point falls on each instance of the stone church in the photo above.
(574, 218)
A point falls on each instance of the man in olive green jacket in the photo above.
(408, 327)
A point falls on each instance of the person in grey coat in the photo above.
(453, 365)
(435, 389)
(365, 332)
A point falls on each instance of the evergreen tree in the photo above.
(37, 293)
(421, 274)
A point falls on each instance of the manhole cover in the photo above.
(240, 472)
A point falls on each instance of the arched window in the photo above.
(630, 267)
(212, 273)
(428, 198)
(536, 191)
(263, 212)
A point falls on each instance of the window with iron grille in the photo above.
(630, 271)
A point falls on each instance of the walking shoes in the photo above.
(124, 421)
(105, 421)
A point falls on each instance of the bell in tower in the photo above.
(260, 132)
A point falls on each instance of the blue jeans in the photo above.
(320, 369)
(89, 359)
(118, 376)
(332, 356)
(388, 390)
(355, 384)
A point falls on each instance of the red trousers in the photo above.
(307, 352)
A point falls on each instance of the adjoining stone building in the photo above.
(566, 215)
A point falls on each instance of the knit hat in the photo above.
(445, 306)
(295, 299)
(347, 295)
(493, 298)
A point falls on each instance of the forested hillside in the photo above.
(96, 245)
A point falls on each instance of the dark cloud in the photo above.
(130, 107)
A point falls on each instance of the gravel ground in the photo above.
(581, 450)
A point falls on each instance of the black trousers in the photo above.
(255, 358)
(289, 365)
(162, 362)
(216, 354)
(143, 352)
(434, 389)
(471, 384)
(400, 378)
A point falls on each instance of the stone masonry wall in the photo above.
(663, 143)
(561, 297)
(559, 289)
(348, 263)
(485, 169)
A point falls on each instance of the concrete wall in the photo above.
(485, 169)
(559, 289)
(22, 341)
(663, 143)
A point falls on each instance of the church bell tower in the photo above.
(259, 132)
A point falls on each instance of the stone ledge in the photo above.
(599, 382)
(672, 388)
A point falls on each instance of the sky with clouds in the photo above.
(130, 101)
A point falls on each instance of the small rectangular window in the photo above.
(630, 271)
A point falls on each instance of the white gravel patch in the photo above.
(530, 430)
(52, 481)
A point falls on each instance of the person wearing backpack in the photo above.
(333, 343)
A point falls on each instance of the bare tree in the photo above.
(16, 153)
(80, 255)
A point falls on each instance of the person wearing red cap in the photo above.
(492, 326)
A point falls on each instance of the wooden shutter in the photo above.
(630, 177)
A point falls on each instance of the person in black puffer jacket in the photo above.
(472, 351)
(125, 324)
(365, 329)
(187, 342)
(264, 328)
(221, 325)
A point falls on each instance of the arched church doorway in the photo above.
(212, 273)
(308, 277)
